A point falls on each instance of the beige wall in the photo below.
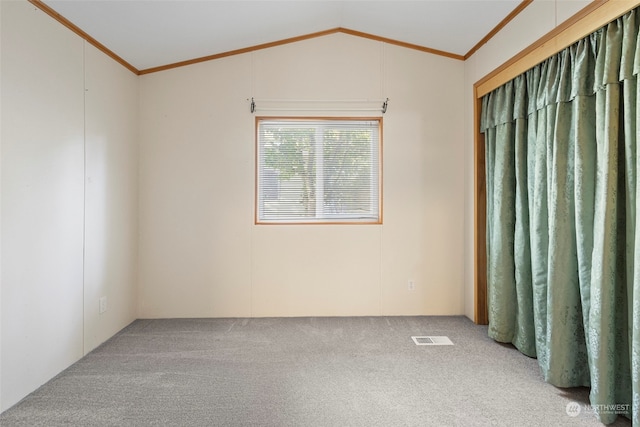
(0, 209)
(531, 24)
(111, 196)
(64, 244)
(201, 254)
(42, 200)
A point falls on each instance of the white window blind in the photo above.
(318, 170)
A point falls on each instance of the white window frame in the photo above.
(321, 216)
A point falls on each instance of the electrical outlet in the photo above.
(103, 305)
(411, 285)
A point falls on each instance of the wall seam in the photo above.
(84, 189)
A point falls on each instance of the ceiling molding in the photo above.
(403, 44)
(77, 30)
(70, 25)
(498, 27)
(297, 39)
(239, 51)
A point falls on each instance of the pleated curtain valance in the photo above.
(610, 55)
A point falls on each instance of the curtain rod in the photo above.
(254, 107)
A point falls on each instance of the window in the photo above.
(318, 170)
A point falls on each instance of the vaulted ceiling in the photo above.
(152, 33)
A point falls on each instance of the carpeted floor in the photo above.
(356, 371)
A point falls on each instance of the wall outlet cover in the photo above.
(103, 305)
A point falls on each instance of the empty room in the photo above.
(319, 213)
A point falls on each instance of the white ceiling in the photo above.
(152, 33)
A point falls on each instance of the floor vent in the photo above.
(430, 340)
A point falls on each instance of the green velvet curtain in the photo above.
(563, 228)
